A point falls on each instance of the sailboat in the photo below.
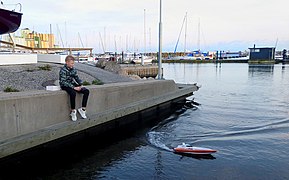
(186, 56)
(190, 55)
(10, 20)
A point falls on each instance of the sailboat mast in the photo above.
(65, 35)
(58, 30)
(126, 43)
(80, 40)
(199, 35)
(104, 39)
(115, 45)
(180, 34)
(150, 41)
(50, 37)
(102, 44)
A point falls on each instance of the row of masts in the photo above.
(117, 42)
(120, 43)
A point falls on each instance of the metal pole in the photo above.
(145, 32)
(160, 74)
(185, 47)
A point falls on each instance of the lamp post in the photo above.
(160, 74)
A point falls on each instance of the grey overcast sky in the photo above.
(119, 24)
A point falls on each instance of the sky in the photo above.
(121, 25)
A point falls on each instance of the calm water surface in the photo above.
(244, 114)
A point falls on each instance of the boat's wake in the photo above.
(156, 139)
(160, 134)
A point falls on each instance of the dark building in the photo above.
(284, 54)
(266, 53)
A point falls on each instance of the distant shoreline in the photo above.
(227, 61)
(206, 61)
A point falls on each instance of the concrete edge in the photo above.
(28, 94)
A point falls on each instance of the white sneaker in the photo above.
(82, 113)
(73, 115)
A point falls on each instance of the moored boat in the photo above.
(9, 20)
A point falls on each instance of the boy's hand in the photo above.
(77, 88)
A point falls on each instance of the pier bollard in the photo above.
(142, 60)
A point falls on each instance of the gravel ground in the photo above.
(31, 77)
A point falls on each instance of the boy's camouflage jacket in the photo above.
(68, 77)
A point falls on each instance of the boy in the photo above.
(70, 82)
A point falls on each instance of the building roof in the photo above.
(263, 48)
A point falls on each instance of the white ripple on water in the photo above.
(249, 132)
(156, 139)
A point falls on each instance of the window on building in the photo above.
(256, 50)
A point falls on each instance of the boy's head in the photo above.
(69, 60)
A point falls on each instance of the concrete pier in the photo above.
(272, 61)
(30, 119)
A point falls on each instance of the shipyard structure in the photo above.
(31, 39)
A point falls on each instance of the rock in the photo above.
(101, 63)
(112, 66)
(134, 77)
(56, 83)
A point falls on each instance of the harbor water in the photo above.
(243, 114)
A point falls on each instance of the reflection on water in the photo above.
(255, 69)
(244, 113)
(198, 156)
(158, 165)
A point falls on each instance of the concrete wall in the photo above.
(29, 119)
(9, 59)
(51, 58)
(27, 112)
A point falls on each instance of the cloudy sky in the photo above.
(119, 24)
